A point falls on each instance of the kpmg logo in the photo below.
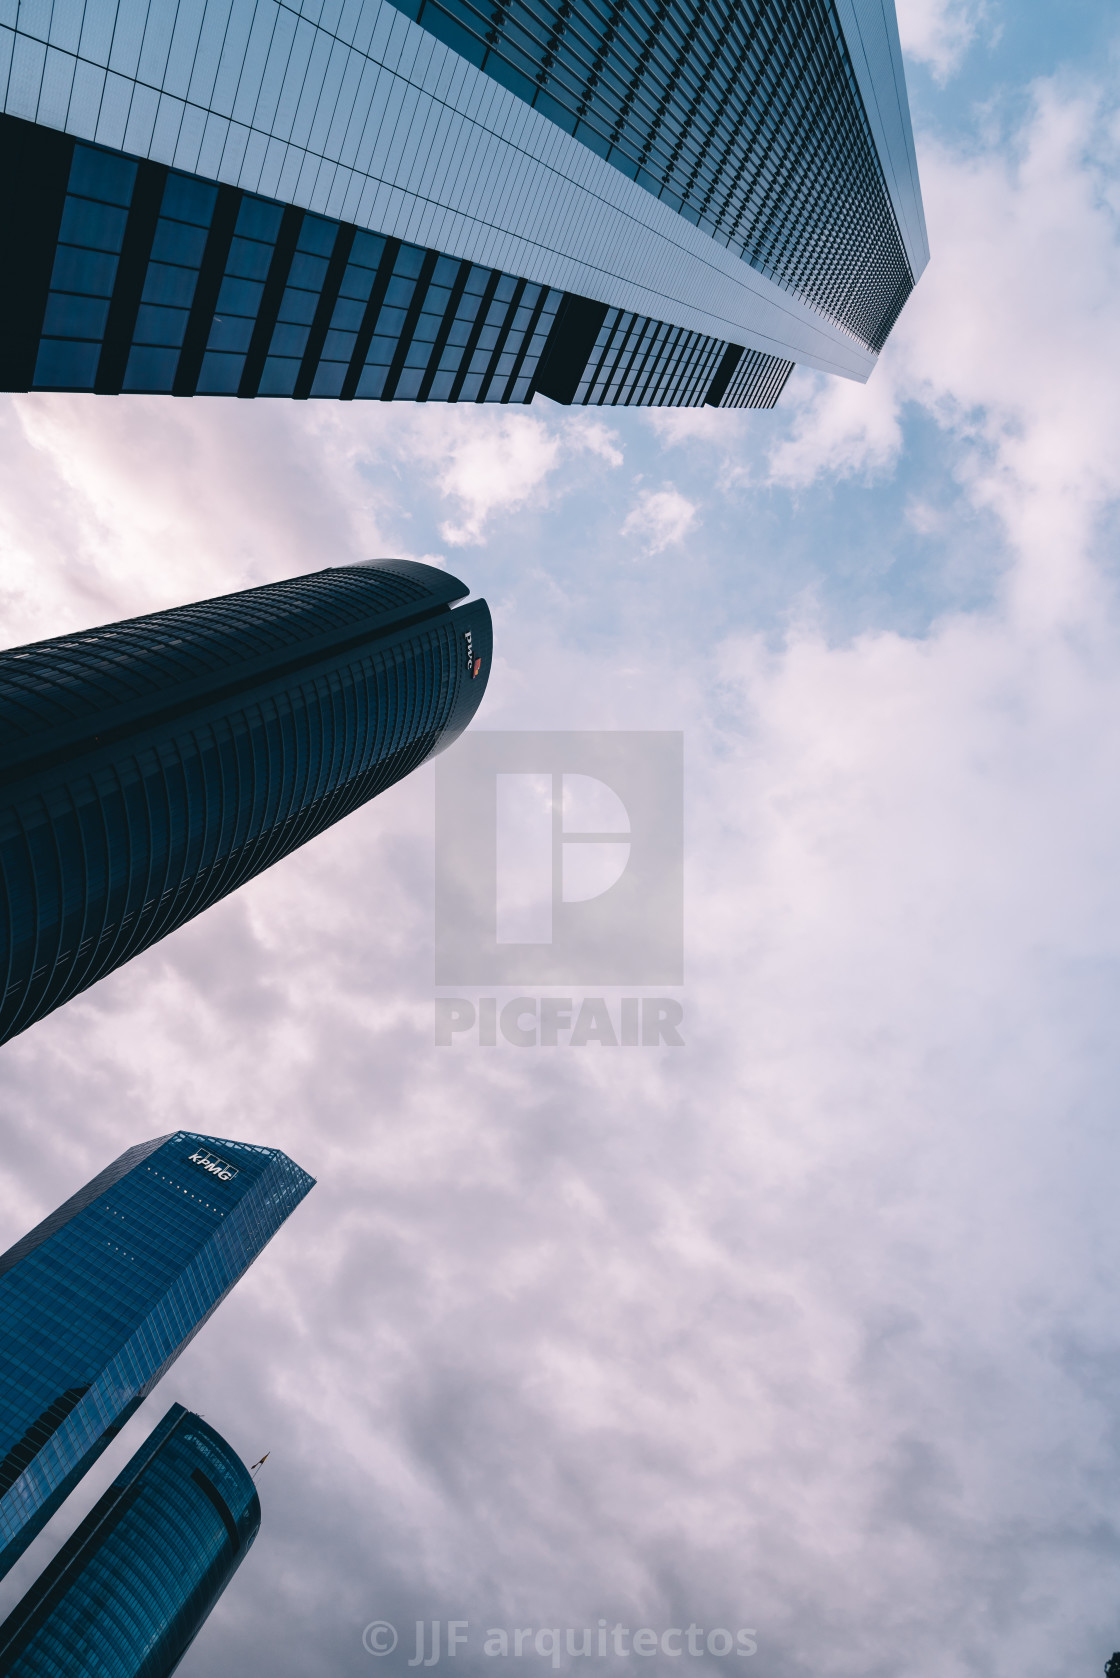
(559, 859)
(219, 1168)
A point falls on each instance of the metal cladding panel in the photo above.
(128, 1591)
(150, 770)
(871, 32)
(97, 1305)
(424, 148)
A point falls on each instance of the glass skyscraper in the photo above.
(102, 1296)
(452, 200)
(148, 768)
(128, 1592)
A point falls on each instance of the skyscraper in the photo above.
(129, 1590)
(148, 768)
(452, 200)
(102, 1296)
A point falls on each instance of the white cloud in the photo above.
(111, 507)
(587, 431)
(486, 462)
(1009, 343)
(838, 427)
(939, 32)
(490, 461)
(776, 1333)
(661, 519)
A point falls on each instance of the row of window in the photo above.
(164, 282)
(76, 1306)
(48, 683)
(743, 115)
(67, 1263)
(108, 863)
(757, 382)
(637, 360)
(282, 302)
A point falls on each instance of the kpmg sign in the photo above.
(219, 1168)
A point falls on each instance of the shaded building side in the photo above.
(135, 277)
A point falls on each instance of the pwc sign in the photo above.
(559, 859)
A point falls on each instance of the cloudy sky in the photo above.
(810, 1326)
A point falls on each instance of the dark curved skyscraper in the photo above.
(149, 767)
(127, 1593)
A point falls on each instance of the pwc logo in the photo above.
(219, 1168)
(474, 665)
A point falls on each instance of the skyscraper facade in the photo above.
(102, 1296)
(148, 768)
(600, 201)
(129, 1590)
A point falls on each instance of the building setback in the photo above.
(432, 200)
(130, 1589)
(102, 1296)
(148, 768)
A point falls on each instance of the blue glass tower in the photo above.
(129, 1590)
(598, 201)
(102, 1296)
(148, 768)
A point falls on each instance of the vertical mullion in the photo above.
(526, 340)
(271, 298)
(444, 332)
(324, 309)
(132, 268)
(412, 315)
(209, 284)
(369, 319)
(475, 333)
(503, 335)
